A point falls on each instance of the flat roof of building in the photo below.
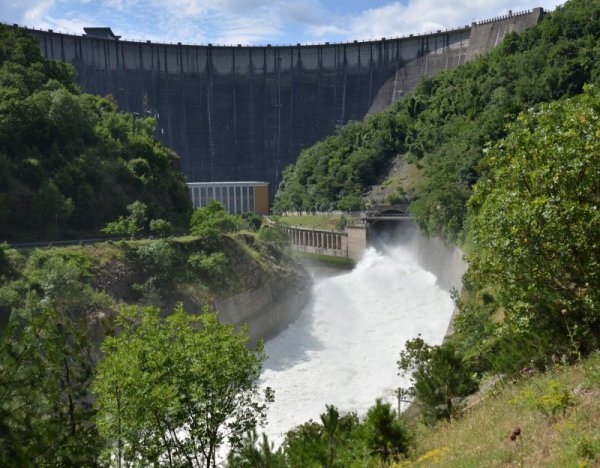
(221, 184)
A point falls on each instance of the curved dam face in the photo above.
(245, 113)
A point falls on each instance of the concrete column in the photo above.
(357, 241)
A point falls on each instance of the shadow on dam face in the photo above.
(382, 233)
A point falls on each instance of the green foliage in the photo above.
(439, 375)
(129, 225)
(556, 399)
(255, 454)
(186, 373)
(213, 216)
(397, 197)
(45, 373)
(149, 293)
(337, 441)
(533, 226)
(69, 163)
(159, 258)
(387, 436)
(272, 235)
(213, 265)
(344, 441)
(341, 223)
(46, 365)
(210, 222)
(161, 227)
(253, 221)
(448, 121)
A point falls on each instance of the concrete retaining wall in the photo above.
(269, 308)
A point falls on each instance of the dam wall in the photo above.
(244, 113)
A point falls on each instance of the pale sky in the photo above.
(258, 21)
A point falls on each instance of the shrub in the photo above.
(161, 227)
(214, 265)
(272, 235)
(159, 258)
(556, 399)
(253, 221)
(439, 375)
(214, 216)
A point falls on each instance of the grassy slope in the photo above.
(481, 436)
(322, 222)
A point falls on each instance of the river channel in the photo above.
(343, 348)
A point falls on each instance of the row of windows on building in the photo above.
(236, 197)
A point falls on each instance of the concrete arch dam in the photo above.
(245, 113)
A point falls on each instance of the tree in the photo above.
(46, 369)
(386, 435)
(213, 216)
(173, 390)
(336, 441)
(52, 207)
(256, 454)
(129, 225)
(161, 227)
(534, 221)
(439, 374)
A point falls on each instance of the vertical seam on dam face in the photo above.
(231, 120)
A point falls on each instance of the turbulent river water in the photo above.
(343, 348)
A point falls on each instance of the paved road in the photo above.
(62, 243)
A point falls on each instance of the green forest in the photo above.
(69, 162)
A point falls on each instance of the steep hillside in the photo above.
(442, 129)
(557, 416)
(99, 278)
(69, 162)
(59, 307)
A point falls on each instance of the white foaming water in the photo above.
(343, 348)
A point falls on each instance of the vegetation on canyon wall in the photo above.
(69, 162)
(58, 304)
(509, 147)
(445, 125)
